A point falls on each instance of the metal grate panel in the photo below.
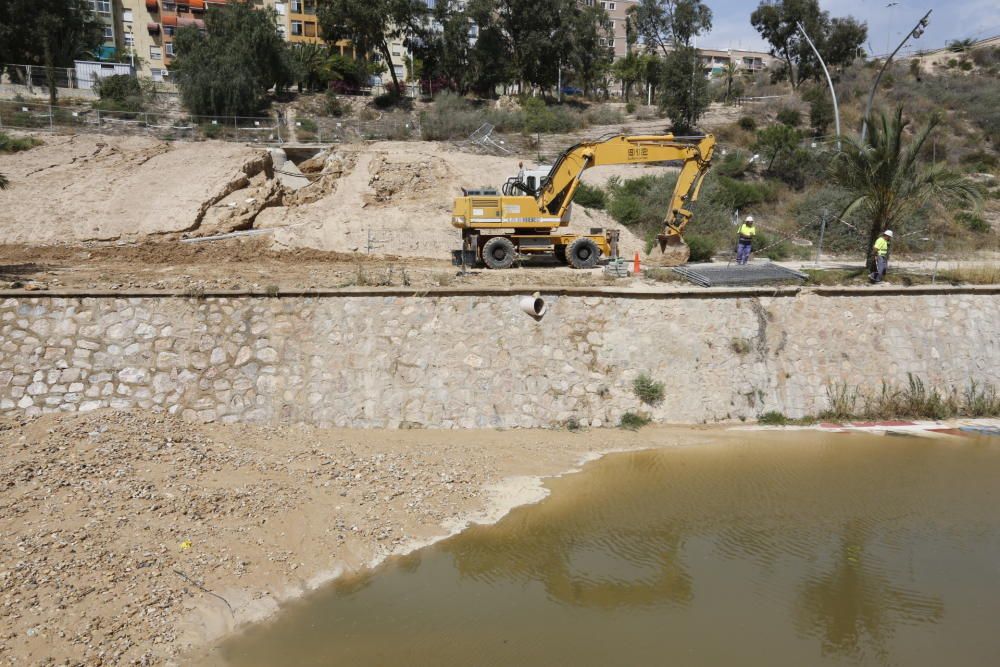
(732, 275)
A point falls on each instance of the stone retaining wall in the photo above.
(476, 360)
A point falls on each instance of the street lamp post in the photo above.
(917, 31)
(833, 92)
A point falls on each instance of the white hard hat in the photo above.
(888, 233)
(749, 218)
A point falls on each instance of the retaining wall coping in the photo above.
(637, 293)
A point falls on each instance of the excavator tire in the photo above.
(499, 253)
(583, 253)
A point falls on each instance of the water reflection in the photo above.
(852, 606)
(841, 551)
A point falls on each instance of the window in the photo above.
(169, 6)
(279, 7)
(154, 53)
(310, 29)
(101, 6)
(309, 6)
(297, 6)
(170, 48)
(156, 73)
(129, 39)
(297, 27)
(169, 29)
(127, 15)
(109, 34)
(608, 5)
(395, 52)
(602, 42)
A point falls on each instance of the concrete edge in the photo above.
(646, 293)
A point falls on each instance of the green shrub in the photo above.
(9, 144)
(630, 107)
(633, 422)
(334, 107)
(772, 418)
(965, 65)
(210, 131)
(702, 247)
(773, 250)
(386, 100)
(735, 194)
(605, 115)
(307, 125)
(748, 123)
(540, 118)
(790, 117)
(973, 222)
(590, 196)
(733, 164)
(648, 390)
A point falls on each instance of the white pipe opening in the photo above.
(534, 305)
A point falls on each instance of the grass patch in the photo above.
(915, 400)
(648, 390)
(773, 418)
(633, 422)
(973, 275)
(9, 144)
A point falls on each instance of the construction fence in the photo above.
(176, 126)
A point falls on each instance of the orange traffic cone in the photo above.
(635, 263)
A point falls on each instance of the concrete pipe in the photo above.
(534, 305)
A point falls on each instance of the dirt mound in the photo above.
(94, 187)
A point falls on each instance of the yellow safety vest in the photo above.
(881, 247)
(748, 231)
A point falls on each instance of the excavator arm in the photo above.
(563, 180)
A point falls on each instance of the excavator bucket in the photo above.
(670, 250)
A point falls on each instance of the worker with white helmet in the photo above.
(745, 242)
(881, 252)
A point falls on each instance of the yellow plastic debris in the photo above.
(186, 544)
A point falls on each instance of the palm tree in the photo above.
(306, 60)
(731, 70)
(887, 180)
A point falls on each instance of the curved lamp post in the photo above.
(833, 93)
(917, 31)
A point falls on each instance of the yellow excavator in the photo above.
(526, 216)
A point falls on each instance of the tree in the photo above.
(685, 88)
(886, 179)
(588, 58)
(731, 72)
(820, 108)
(663, 24)
(628, 70)
(837, 39)
(372, 24)
(304, 64)
(48, 32)
(228, 70)
(775, 141)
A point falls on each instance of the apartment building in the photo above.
(716, 61)
(617, 11)
(106, 12)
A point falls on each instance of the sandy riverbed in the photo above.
(98, 511)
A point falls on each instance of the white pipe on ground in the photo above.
(534, 305)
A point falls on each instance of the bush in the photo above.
(965, 65)
(307, 125)
(789, 117)
(648, 390)
(386, 100)
(733, 164)
(334, 107)
(736, 195)
(772, 418)
(773, 250)
(605, 115)
(540, 118)
(590, 196)
(702, 247)
(748, 123)
(641, 202)
(973, 222)
(633, 422)
(630, 107)
(9, 144)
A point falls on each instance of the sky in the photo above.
(951, 19)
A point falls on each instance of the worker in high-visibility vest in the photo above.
(745, 241)
(881, 253)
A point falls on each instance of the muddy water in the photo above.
(785, 550)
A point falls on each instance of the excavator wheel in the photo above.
(670, 250)
(499, 253)
(583, 253)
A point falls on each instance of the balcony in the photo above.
(152, 6)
